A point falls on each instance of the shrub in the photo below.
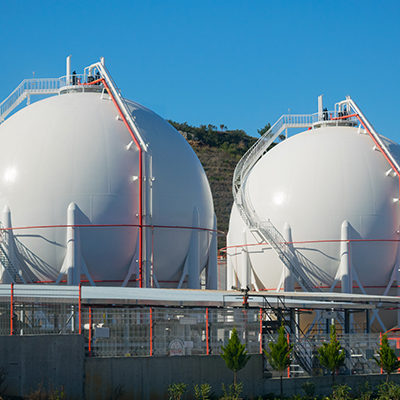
(176, 390)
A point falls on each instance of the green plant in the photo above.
(42, 394)
(235, 355)
(279, 355)
(308, 389)
(341, 392)
(387, 358)
(331, 355)
(233, 392)
(176, 390)
(388, 391)
(202, 392)
(365, 391)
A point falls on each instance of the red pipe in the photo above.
(112, 226)
(380, 148)
(140, 181)
(12, 310)
(90, 331)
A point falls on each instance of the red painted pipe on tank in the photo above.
(140, 179)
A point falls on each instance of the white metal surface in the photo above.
(326, 176)
(73, 148)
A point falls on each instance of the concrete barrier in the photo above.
(52, 362)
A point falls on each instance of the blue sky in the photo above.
(240, 63)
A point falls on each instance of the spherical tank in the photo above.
(313, 183)
(74, 148)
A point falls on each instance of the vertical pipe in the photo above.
(288, 368)
(12, 310)
(68, 71)
(141, 216)
(207, 334)
(151, 331)
(90, 331)
(261, 344)
(380, 343)
(80, 309)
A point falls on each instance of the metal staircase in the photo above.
(263, 230)
(302, 348)
(352, 109)
(9, 267)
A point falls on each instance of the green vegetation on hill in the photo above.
(219, 150)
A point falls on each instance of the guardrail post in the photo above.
(151, 332)
(207, 335)
(12, 310)
(288, 368)
(80, 309)
(261, 343)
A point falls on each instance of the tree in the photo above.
(331, 355)
(264, 130)
(279, 354)
(235, 355)
(387, 358)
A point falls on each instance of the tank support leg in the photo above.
(74, 265)
(10, 274)
(288, 280)
(244, 279)
(212, 265)
(229, 267)
(344, 273)
(194, 254)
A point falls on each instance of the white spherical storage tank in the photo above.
(329, 197)
(69, 172)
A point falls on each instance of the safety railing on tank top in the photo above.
(41, 86)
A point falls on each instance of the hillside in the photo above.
(219, 151)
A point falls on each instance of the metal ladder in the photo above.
(265, 231)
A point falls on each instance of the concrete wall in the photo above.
(58, 361)
(148, 378)
(51, 361)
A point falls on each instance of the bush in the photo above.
(388, 391)
(202, 392)
(176, 390)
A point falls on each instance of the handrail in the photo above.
(266, 229)
(126, 116)
(293, 259)
(374, 135)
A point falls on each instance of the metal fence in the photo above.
(132, 331)
(157, 331)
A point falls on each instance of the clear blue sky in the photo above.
(240, 63)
